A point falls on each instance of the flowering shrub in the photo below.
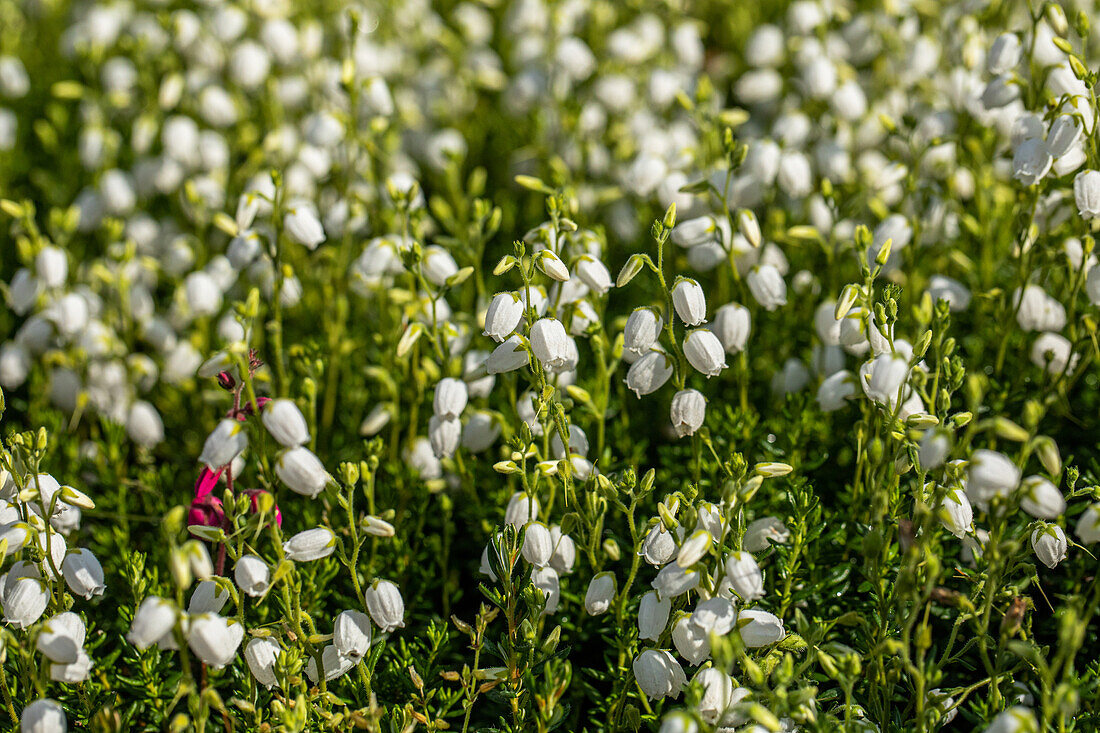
(541, 366)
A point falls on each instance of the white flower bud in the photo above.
(302, 471)
(688, 410)
(312, 544)
(260, 654)
(214, 639)
(386, 606)
(285, 422)
(252, 575)
(759, 628)
(648, 374)
(653, 615)
(552, 265)
(744, 576)
(732, 325)
(767, 286)
(227, 441)
(43, 716)
(642, 329)
(538, 546)
(704, 352)
(689, 301)
(438, 265)
(61, 638)
(1050, 544)
(694, 548)
(303, 226)
(658, 674)
(601, 592)
(503, 315)
(450, 398)
(153, 619)
(1041, 499)
(351, 634)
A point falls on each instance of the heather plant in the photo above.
(536, 366)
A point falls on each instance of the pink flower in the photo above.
(254, 497)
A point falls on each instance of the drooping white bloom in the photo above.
(214, 639)
(550, 343)
(659, 545)
(1031, 161)
(1053, 352)
(1086, 191)
(759, 628)
(990, 474)
(260, 654)
(450, 399)
(600, 594)
(386, 606)
(303, 226)
(311, 544)
(302, 471)
(715, 615)
(351, 634)
(333, 662)
(1050, 544)
(208, 597)
(565, 551)
(1088, 525)
(83, 573)
(538, 545)
(24, 601)
(956, 514)
(546, 579)
(144, 425)
(883, 377)
(691, 641)
(836, 390)
(689, 301)
(521, 509)
(552, 265)
(153, 619)
(658, 674)
(767, 286)
(761, 533)
(224, 444)
(1017, 719)
(674, 580)
(438, 265)
(653, 615)
(704, 352)
(1041, 499)
(642, 329)
(688, 410)
(732, 325)
(503, 316)
(61, 638)
(593, 273)
(252, 575)
(744, 575)
(512, 354)
(1004, 54)
(935, 444)
(285, 422)
(648, 374)
(43, 716)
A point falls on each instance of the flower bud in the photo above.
(956, 514)
(593, 273)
